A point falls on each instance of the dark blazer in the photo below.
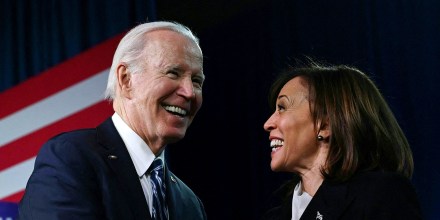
(370, 195)
(88, 174)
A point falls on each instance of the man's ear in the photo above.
(124, 80)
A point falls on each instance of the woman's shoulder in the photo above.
(381, 183)
(379, 177)
(384, 193)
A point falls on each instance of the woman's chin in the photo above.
(275, 167)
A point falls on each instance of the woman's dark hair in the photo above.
(365, 134)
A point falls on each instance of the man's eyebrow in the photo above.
(174, 67)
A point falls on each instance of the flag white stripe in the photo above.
(53, 108)
(14, 179)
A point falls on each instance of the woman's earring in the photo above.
(320, 138)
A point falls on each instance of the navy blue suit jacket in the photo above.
(76, 178)
(371, 195)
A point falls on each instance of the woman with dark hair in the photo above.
(332, 129)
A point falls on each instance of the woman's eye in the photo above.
(280, 107)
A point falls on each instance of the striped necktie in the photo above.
(160, 210)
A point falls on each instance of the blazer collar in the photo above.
(175, 201)
(115, 154)
(329, 202)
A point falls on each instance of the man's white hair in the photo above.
(131, 48)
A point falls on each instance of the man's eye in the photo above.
(197, 82)
(172, 74)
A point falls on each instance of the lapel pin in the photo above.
(319, 216)
(112, 157)
(173, 179)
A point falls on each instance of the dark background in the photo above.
(225, 156)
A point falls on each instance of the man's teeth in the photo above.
(275, 144)
(175, 109)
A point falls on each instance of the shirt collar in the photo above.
(139, 151)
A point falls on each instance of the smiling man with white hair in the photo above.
(110, 172)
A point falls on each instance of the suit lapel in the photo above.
(181, 204)
(329, 202)
(117, 157)
(173, 195)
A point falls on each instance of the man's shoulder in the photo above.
(81, 134)
(74, 137)
(75, 134)
(70, 143)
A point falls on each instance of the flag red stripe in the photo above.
(59, 77)
(16, 197)
(28, 146)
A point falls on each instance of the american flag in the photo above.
(66, 97)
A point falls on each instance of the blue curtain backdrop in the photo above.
(36, 35)
(246, 43)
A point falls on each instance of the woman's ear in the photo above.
(124, 83)
(324, 129)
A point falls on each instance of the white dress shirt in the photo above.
(300, 201)
(140, 154)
